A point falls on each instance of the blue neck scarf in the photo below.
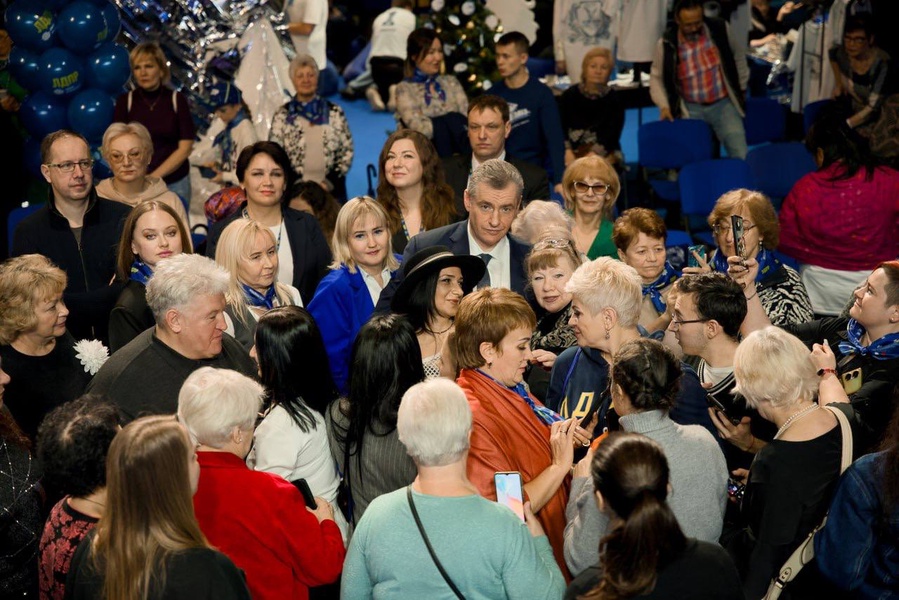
(226, 141)
(315, 111)
(428, 80)
(654, 289)
(546, 415)
(885, 348)
(768, 263)
(254, 298)
(140, 272)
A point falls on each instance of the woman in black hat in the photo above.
(434, 282)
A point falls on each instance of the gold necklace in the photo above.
(151, 106)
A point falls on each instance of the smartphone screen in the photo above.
(691, 259)
(508, 491)
(736, 222)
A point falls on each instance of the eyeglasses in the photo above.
(726, 228)
(69, 166)
(599, 188)
(133, 155)
(679, 322)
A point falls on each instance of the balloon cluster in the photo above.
(65, 55)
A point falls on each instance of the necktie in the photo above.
(485, 280)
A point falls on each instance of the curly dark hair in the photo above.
(72, 443)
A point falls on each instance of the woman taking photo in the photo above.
(639, 235)
(152, 233)
(512, 430)
(164, 112)
(258, 519)
(363, 264)
(434, 281)
(386, 362)
(412, 188)
(37, 351)
(592, 114)
(590, 188)
(249, 252)
(510, 561)
(313, 131)
(428, 102)
(147, 544)
(549, 266)
(631, 477)
(303, 254)
(128, 150)
(292, 441)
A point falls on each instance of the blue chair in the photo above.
(15, 217)
(765, 121)
(811, 111)
(701, 184)
(671, 145)
(777, 167)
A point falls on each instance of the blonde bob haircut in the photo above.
(348, 219)
(234, 246)
(487, 315)
(762, 212)
(542, 218)
(608, 283)
(154, 52)
(212, 402)
(433, 423)
(772, 366)
(597, 168)
(590, 55)
(117, 130)
(24, 282)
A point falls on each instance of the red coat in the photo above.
(260, 522)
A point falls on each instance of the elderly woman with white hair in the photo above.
(388, 556)
(542, 219)
(793, 477)
(258, 519)
(314, 132)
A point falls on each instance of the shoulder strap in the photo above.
(129, 101)
(424, 536)
(175, 101)
(846, 430)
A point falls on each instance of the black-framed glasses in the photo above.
(679, 322)
(582, 187)
(69, 165)
(725, 228)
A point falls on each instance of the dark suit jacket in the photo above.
(311, 254)
(455, 237)
(458, 167)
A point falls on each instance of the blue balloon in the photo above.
(44, 113)
(24, 66)
(101, 167)
(108, 68)
(31, 156)
(32, 27)
(90, 113)
(61, 72)
(81, 27)
(113, 20)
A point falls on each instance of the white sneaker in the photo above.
(374, 98)
(391, 98)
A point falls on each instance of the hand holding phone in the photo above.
(509, 492)
(694, 251)
(308, 496)
(736, 222)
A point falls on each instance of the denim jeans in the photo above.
(725, 120)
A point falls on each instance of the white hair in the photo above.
(433, 422)
(608, 283)
(773, 366)
(542, 219)
(181, 279)
(212, 402)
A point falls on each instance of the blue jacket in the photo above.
(858, 550)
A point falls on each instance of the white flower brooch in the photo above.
(92, 354)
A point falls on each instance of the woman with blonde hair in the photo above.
(363, 265)
(590, 188)
(412, 188)
(152, 232)
(148, 544)
(542, 219)
(128, 149)
(249, 252)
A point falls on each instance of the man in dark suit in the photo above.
(492, 200)
(488, 128)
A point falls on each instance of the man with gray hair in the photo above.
(492, 199)
(187, 297)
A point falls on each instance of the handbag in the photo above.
(424, 536)
(804, 554)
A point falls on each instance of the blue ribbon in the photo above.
(140, 272)
(254, 298)
(546, 415)
(654, 289)
(886, 348)
(428, 80)
(315, 111)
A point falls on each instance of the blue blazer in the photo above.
(455, 237)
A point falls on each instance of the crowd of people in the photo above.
(320, 398)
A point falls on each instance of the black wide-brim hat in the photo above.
(428, 261)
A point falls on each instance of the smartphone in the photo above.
(733, 406)
(698, 249)
(508, 491)
(735, 489)
(301, 485)
(736, 221)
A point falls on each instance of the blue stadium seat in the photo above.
(702, 183)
